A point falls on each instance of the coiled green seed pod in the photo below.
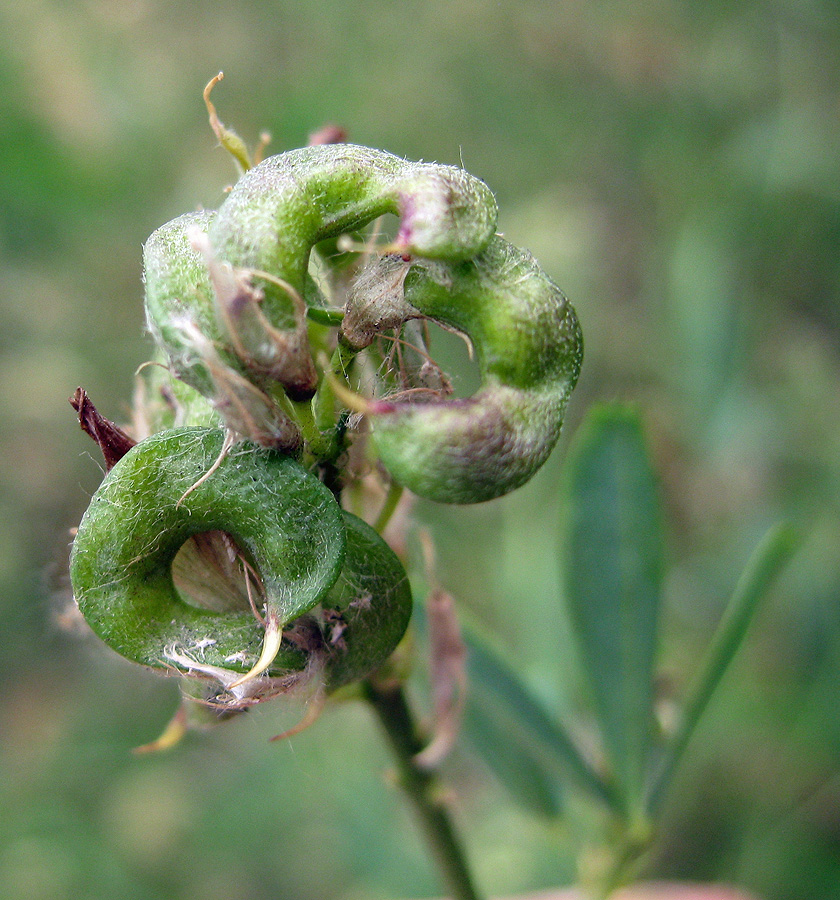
(227, 307)
(314, 561)
(183, 316)
(287, 204)
(226, 293)
(529, 348)
(368, 608)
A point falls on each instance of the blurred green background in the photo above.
(675, 166)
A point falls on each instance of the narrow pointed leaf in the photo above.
(523, 776)
(612, 565)
(501, 709)
(767, 561)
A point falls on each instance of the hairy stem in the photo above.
(391, 707)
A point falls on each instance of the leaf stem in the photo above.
(391, 708)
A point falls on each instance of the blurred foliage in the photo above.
(674, 166)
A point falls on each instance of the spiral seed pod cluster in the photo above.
(278, 317)
(228, 295)
(227, 292)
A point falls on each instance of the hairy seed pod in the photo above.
(182, 315)
(366, 612)
(281, 208)
(313, 561)
(529, 349)
(226, 292)
(179, 295)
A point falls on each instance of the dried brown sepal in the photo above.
(281, 355)
(112, 440)
(449, 678)
(448, 668)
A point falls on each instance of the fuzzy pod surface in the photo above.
(287, 522)
(529, 348)
(224, 289)
(179, 295)
(445, 264)
(189, 326)
(287, 204)
(366, 612)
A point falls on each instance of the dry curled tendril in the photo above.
(293, 369)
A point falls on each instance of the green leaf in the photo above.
(516, 768)
(530, 753)
(612, 565)
(766, 562)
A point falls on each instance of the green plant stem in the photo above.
(391, 707)
(392, 499)
(630, 848)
